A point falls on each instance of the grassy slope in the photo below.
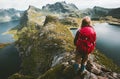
(56, 39)
(107, 62)
(60, 39)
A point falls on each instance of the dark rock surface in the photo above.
(60, 7)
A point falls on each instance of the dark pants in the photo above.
(81, 57)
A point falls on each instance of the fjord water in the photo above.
(4, 27)
(108, 40)
(9, 56)
(9, 61)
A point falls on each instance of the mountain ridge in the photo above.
(103, 12)
(60, 7)
(41, 44)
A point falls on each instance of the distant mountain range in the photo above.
(10, 14)
(72, 10)
(60, 7)
(103, 12)
(63, 8)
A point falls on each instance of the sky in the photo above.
(81, 4)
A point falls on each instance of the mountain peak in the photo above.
(60, 7)
(32, 8)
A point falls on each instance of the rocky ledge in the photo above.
(65, 69)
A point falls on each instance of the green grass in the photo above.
(56, 39)
(59, 72)
(19, 76)
(107, 62)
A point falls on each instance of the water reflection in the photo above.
(4, 27)
(9, 61)
(108, 40)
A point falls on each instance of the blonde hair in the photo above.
(86, 21)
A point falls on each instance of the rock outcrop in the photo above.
(65, 70)
(32, 16)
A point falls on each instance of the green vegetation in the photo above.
(14, 32)
(110, 20)
(40, 39)
(59, 72)
(74, 22)
(62, 71)
(19, 76)
(50, 18)
(39, 46)
(108, 63)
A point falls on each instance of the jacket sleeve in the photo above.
(76, 37)
(95, 38)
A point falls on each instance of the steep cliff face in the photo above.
(115, 13)
(31, 16)
(60, 7)
(98, 12)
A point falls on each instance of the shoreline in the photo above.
(114, 23)
(2, 45)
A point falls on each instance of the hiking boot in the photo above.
(81, 70)
(83, 67)
(76, 67)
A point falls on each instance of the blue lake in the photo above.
(4, 27)
(9, 56)
(9, 61)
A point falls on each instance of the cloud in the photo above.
(81, 4)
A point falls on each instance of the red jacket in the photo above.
(85, 39)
